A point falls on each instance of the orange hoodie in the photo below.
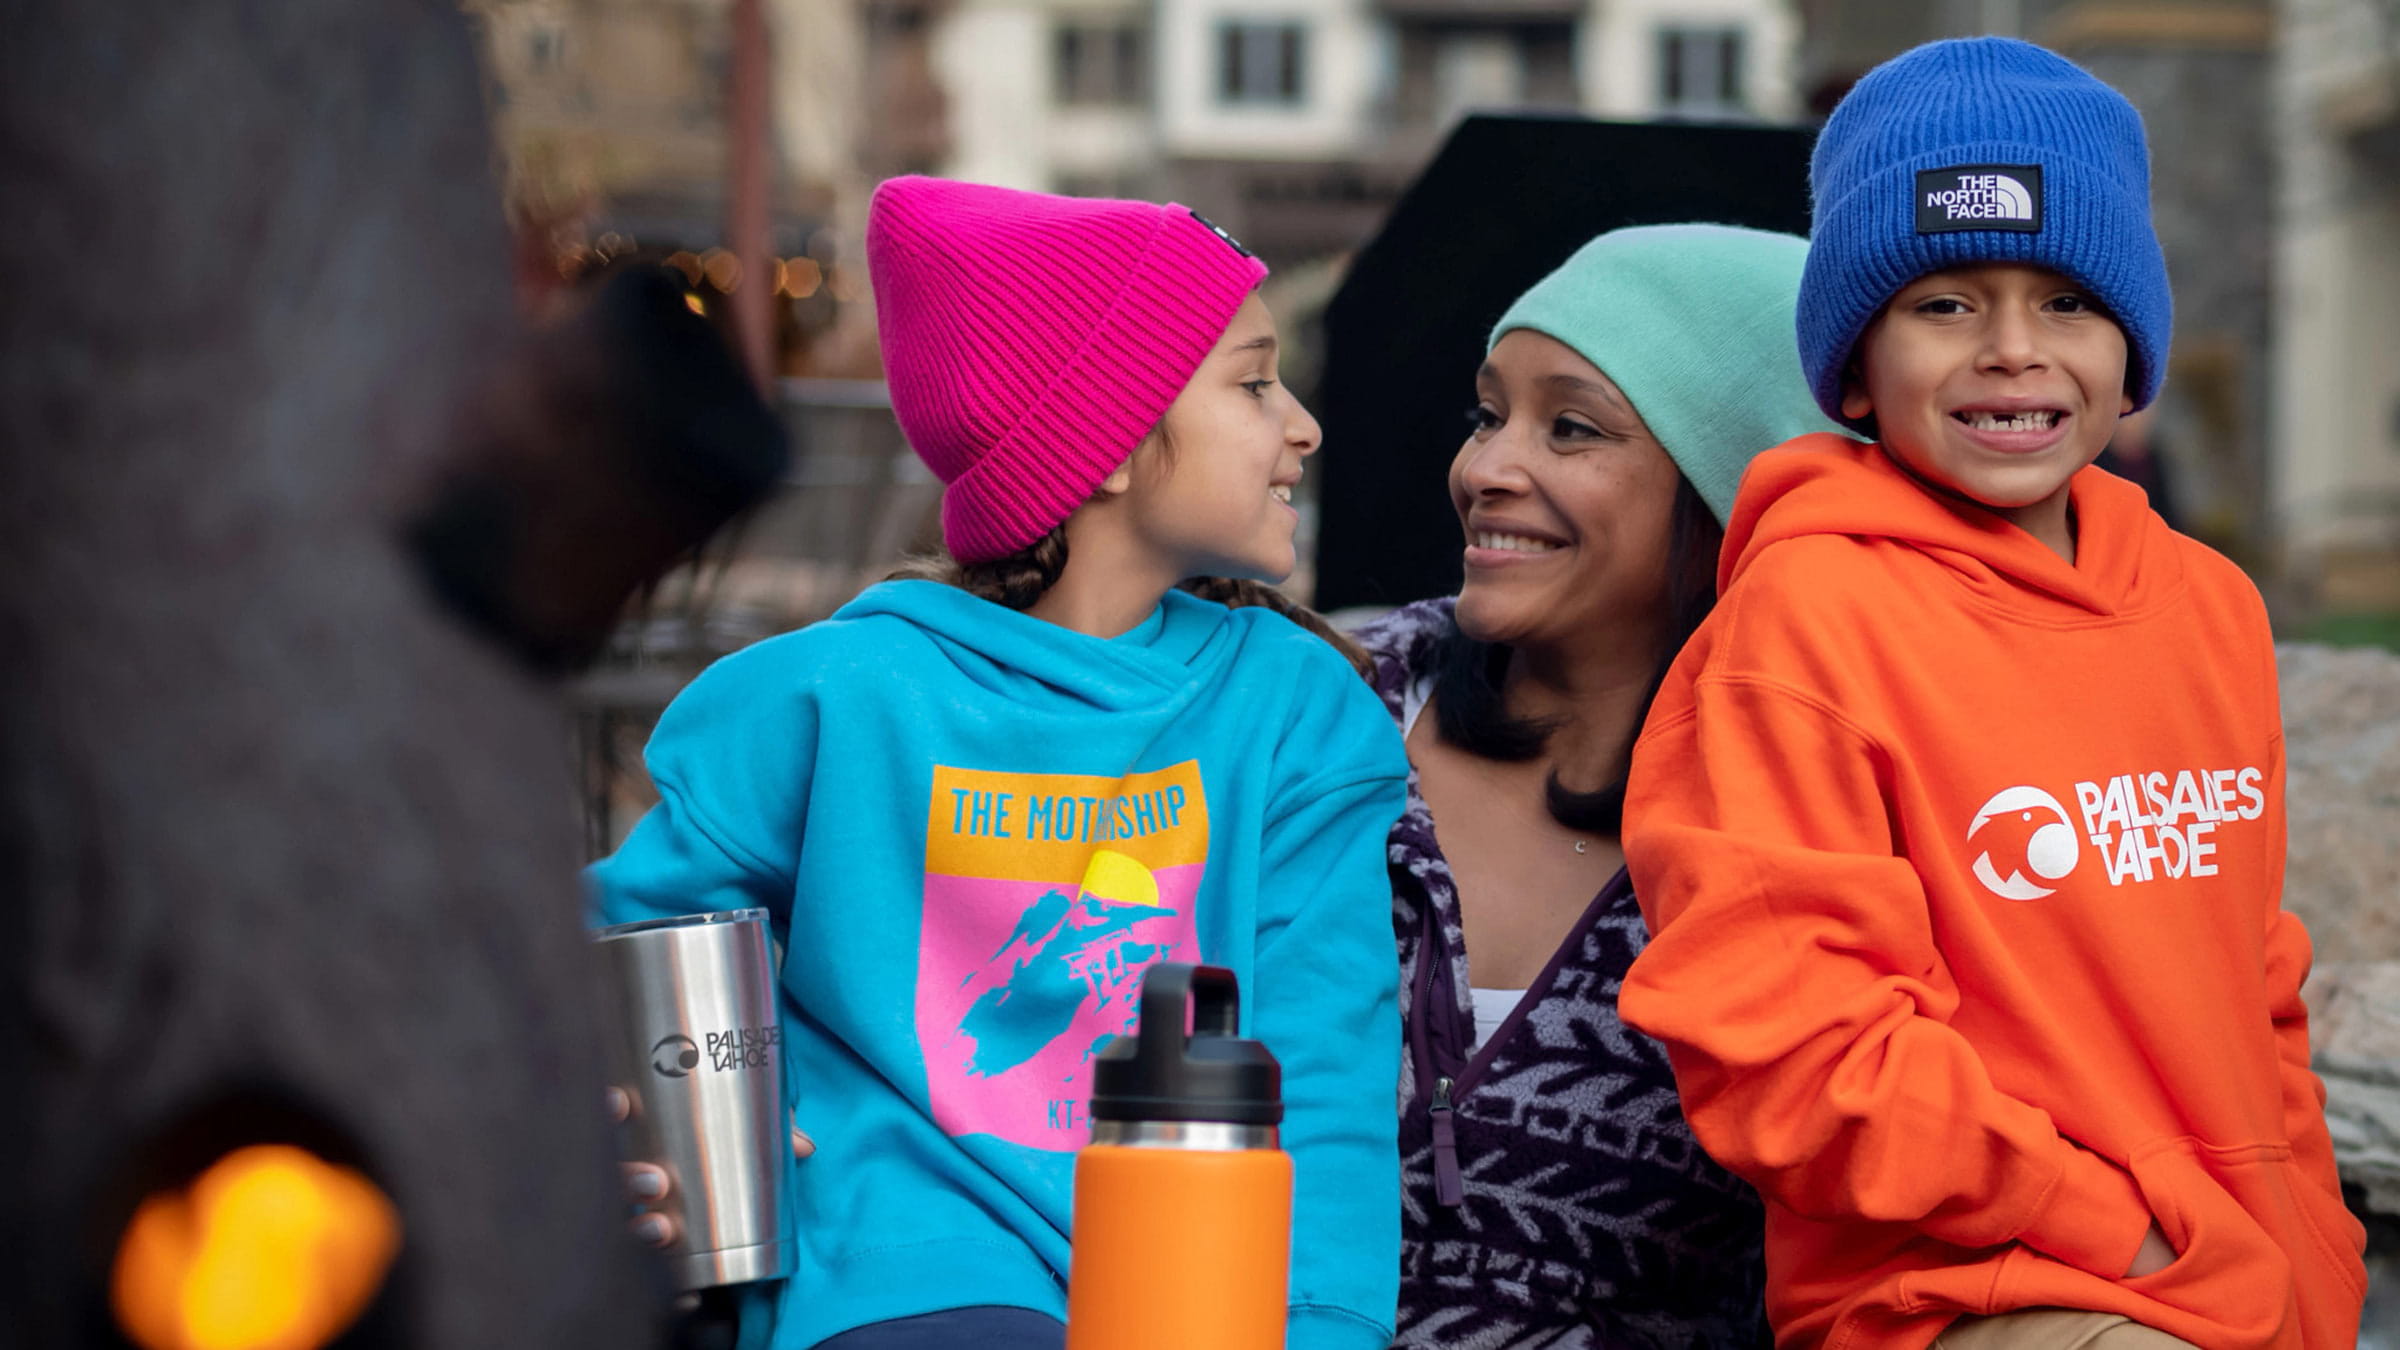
(1964, 865)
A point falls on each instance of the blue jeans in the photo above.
(981, 1328)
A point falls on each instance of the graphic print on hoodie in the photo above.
(800, 775)
(1046, 897)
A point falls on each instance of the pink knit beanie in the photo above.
(1031, 341)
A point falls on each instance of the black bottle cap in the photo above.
(1213, 1075)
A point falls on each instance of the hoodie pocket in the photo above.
(2245, 1244)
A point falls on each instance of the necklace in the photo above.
(1485, 770)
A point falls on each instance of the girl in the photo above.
(1554, 1194)
(979, 807)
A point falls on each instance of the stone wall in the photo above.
(2341, 713)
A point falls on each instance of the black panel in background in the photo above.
(1506, 200)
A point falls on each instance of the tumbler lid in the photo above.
(618, 930)
(1213, 1074)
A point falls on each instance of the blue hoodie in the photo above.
(974, 830)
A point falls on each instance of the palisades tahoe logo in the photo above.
(2141, 827)
(734, 1048)
(2034, 835)
(742, 1047)
(1980, 197)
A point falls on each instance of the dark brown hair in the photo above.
(1015, 581)
(1467, 705)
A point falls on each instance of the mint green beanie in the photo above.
(1694, 323)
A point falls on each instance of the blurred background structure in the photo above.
(1296, 124)
(2332, 439)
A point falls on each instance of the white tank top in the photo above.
(1492, 1007)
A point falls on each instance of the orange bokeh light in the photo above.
(272, 1248)
(723, 270)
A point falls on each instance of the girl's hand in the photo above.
(646, 1183)
(2154, 1256)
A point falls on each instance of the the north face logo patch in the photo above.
(1980, 197)
(1220, 232)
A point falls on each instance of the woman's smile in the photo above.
(1504, 544)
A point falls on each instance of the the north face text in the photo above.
(1980, 197)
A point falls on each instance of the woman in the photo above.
(1552, 1193)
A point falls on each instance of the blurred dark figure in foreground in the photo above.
(604, 450)
(287, 848)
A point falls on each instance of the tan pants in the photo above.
(2054, 1329)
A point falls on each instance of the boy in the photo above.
(1960, 825)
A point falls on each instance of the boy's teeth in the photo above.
(2041, 420)
(1281, 492)
(1515, 543)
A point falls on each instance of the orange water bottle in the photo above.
(1183, 1199)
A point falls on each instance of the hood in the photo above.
(1017, 656)
(2126, 559)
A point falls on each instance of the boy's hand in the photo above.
(2154, 1256)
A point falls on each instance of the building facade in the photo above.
(1295, 123)
(612, 120)
(2336, 124)
(620, 102)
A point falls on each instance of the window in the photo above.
(545, 47)
(1261, 62)
(1475, 70)
(1700, 72)
(1102, 64)
(899, 20)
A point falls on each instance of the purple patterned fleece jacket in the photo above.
(1551, 1193)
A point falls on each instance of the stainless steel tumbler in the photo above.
(699, 1051)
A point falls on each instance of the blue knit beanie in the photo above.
(1979, 150)
(1694, 323)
